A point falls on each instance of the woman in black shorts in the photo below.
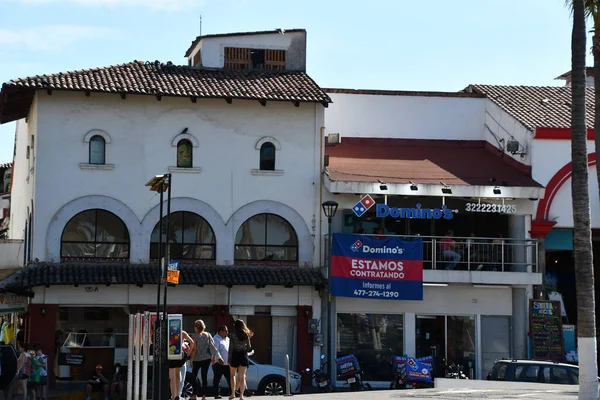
(175, 365)
(239, 347)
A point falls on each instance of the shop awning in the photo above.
(81, 273)
(425, 167)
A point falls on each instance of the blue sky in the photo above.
(435, 45)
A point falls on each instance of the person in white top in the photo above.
(221, 368)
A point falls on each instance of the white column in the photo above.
(478, 355)
(516, 250)
(520, 322)
(410, 328)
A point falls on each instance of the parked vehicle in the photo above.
(348, 369)
(263, 379)
(454, 371)
(534, 371)
(412, 373)
(320, 376)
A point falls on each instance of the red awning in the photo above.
(451, 162)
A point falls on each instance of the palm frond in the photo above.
(592, 8)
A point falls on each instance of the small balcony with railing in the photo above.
(480, 260)
(476, 260)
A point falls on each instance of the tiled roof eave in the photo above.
(94, 273)
(269, 98)
(157, 79)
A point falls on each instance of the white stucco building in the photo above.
(239, 129)
(545, 112)
(420, 154)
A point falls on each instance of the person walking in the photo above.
(176, 365)
(221, 369)
(25, 370)
(239, 347)
(39, 376)
(203, 354)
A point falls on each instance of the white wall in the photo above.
(549, 157)
(179, 295)
(23, 180)
(213, 47)
(11, 253)
(142, 129)
(406, 117)
(451, 300)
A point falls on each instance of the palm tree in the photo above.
(592, 10)
(582, 233)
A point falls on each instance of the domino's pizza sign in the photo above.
(370, 268)
(417, 212)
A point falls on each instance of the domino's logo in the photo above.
(363, 205)
(356, 246)
(413, 364)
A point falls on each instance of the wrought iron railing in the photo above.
(476, 253)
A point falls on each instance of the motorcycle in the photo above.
(412, 373)
(348, 369)
(454, 371)
(320, 376)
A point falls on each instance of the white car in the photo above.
(260, 378)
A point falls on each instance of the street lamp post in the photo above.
(329, 209)
(160, 381)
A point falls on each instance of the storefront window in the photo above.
(461, 343)
(374, 339)
(450, 338)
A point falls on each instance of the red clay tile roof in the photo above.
(157, 79)
(589, 71)
(217, 35)
(537, 106)
(423, 161)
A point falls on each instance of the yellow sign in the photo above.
(173, 276)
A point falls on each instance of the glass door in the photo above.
(447, 337)
(430, 340)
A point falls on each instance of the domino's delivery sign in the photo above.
(383, 210)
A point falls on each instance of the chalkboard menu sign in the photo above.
(546, 330)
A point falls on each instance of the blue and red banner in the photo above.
(367, 267)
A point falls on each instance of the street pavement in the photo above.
(535, 392)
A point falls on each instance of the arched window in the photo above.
(184, 154)
(97, 150)
(267, 157)
(192, 238)
(266, 237)
(95, 234)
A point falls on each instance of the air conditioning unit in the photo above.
(334, 138)
(512, 146)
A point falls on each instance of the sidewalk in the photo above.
(537, 392)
